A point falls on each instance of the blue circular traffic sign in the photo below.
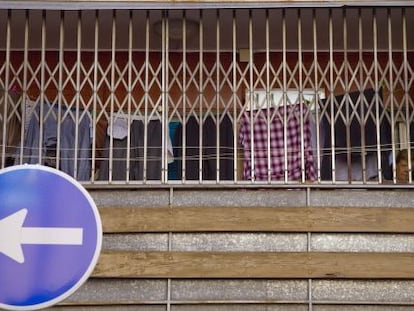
(50, 236)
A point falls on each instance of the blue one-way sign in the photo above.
(50, 236)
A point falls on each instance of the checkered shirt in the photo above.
(260, 148)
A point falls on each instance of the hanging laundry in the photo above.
(74, 158)
(209, 150)
(355, 135)
(272, 146)
(142, 157)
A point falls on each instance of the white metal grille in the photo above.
(132, 75)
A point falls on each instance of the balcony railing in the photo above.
(279, 97)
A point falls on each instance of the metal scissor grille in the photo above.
(160, 97)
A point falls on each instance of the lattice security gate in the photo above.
(175, 97)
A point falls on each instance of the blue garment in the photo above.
(68, 151)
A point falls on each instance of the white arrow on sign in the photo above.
(13, 235)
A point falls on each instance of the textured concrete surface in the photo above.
(250, 294)
(247, 197)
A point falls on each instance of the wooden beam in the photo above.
(257, 219)
(127, 264)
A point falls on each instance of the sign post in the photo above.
(50, 236)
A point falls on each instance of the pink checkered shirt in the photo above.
(277, 146)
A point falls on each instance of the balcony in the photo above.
(232, 124)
